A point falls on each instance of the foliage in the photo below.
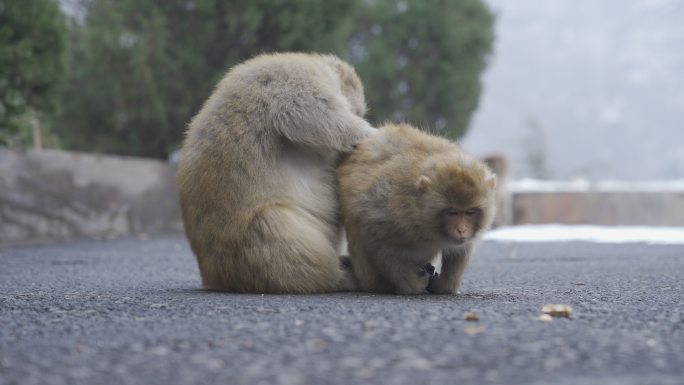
(141, 69)
(421, 60)
(32, 44)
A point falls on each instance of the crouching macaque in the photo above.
(405, 197)
(504, 205)
(256, 178)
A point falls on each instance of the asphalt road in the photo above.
(130, 311)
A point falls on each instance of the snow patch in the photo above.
(597, 234)
(581, 185)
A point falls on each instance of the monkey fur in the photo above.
(406, 197)
(256, 178)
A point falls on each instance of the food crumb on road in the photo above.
(557, 310)
(471, 316)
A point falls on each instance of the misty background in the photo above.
(565, 89)
(585, 89)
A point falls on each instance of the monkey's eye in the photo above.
(472, 211)
(452, 211)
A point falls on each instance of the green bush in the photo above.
(139, 70)
(421, 60)
(32, 46)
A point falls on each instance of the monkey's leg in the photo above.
(407, 277)
(454, 263)
(365, 275)
(293, 252)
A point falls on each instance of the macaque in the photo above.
(256, 178)
(504, 207)
(406, 197)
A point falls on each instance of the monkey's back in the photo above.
(235, 164)
(230, 158)
(386, 164)
(396, 190)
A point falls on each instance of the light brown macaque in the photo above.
(504, 207)
(256, 178)
(406, 196)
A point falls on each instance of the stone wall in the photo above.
(53, 194)
(647, 208)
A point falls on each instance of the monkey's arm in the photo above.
(454, 263)
(323, 126)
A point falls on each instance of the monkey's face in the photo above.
(461, 198)
(461, 224)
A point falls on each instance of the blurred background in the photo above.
(585, 89)
(578, 97)
(126, 76)
(565, 89)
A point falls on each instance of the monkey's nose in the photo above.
(457, 235)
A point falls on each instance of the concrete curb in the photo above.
(53, 194)
(643, 208)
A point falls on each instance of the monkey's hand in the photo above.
(454, 262)
(428, 271)
(431, 270)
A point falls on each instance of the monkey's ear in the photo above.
(491, 181)
(336, 64)
(423, 183)
(339, 68)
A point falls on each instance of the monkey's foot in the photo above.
(345, 262)
(429, 269)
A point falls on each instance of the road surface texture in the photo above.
(130, 311)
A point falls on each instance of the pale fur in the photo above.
(504, 205)
(393, 191)
(256, 176)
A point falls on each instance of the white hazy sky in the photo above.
(604, 79)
